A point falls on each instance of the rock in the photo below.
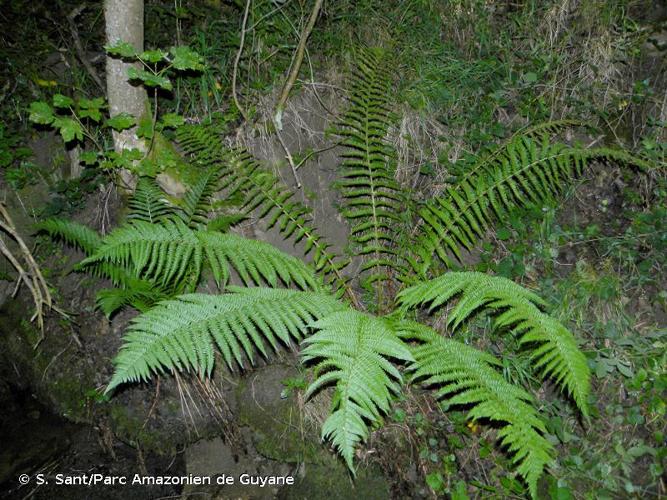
(333, 480)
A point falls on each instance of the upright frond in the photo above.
(554, 349)
(196, 203)
(464, 376)
(353, 352)
(148, 203)
(373, 200)
(181, 334)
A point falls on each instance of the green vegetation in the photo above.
(496, 314)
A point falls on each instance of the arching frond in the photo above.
(181, 334)
(162, 252)
(170, 252)
(265, 194)
(554, 348)
(72, 233)
(353, 351)
(464, 376)
(524, 171)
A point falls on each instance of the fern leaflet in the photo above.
(180, 334)
(555, 350)
(353, 351)
(466, 376)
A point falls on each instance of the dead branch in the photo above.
(28, 272)
(238, 58)
(296, 64)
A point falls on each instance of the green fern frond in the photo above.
(554, 349)
(526, 171)
(140, 294)
(72, 233)
(162, 252)
(170, 252)
(181, 334)
(131, 290)
(373, 200)
(148, 203)
(267, 195)
(463, 375)
(196, 203)
(353, 351)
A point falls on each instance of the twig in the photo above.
(290, 160)
(296, 66)
(238, 58)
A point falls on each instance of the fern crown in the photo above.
(166, 249)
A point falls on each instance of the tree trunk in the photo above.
(124, 21)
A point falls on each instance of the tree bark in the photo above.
(124, 21)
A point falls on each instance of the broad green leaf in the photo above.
(88, 157)
(121, 49)
(41, 112)
(69, 129)
(152, 56)
(121, 121)
(184, 58)
(145, 128)
(62, 101)
(90, 108)
(95, 103)
(149, 79)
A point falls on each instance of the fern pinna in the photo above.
(373, 200)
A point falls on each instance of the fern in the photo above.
(196, 203)
(373, 200)
(171, 252)
(463, 375)
(139, 293)
(353, 351)
(180, 334)
(263, 192)
(555, 351)
(148, 203)
(527, 170)
(72, 233)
